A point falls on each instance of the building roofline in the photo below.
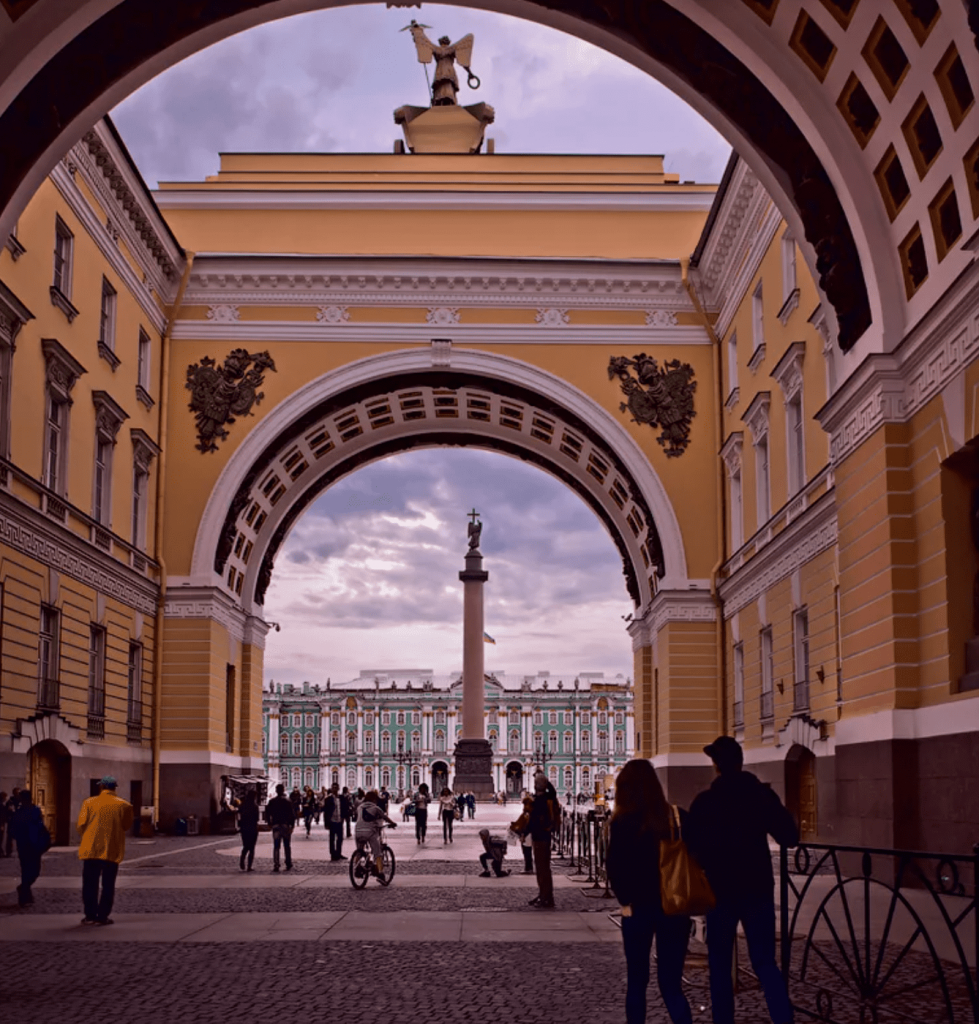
(715, 208)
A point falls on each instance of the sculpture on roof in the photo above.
(445, 53)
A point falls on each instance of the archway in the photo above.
(440, 777)
(758, 71)
(49, 780)
(514, 779)
(800, 789)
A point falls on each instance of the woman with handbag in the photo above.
(640, 823)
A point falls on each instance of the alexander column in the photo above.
(473, 754)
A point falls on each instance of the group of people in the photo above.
(103, 822)
(726, 831)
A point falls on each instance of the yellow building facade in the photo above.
(785, 514)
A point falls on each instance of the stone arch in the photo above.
(729, 61)
(383, 404)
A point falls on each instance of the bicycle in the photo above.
(362, 864)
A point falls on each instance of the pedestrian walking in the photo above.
(103, 822)
(407, 807)
(248, 827)
(522, 828)
(447, 812)
(28, 831)
(421, 812)
(296, 799)
(494, 850)
(727, 831)
(12, 804)
(545, 817)
(640, 822)
(281, 815)
(350, 809)
(471, 804)
(309, 809)
(336, 811)
(384, 799)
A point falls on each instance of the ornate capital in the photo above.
(62, 368)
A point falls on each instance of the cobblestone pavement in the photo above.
(355, 982)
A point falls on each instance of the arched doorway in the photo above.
(49, 779)
(440, 777)
(514, 779)
(800, 789)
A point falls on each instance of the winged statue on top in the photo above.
(446, 54)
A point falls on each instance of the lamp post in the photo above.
(541, 754)
(402, 758)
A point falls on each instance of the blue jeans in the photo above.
(757, 917)
(672, 935)
(281, 837)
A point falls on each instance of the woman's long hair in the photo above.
(638, 792)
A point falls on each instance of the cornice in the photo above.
(560, 202)
(694, 605)
(812, 532)
(462, 334)
(210, 603)
(755, 417)
(25, 530)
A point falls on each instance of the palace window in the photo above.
(552, 742)
(297, 778)
(767, 676)
(96, 682)
(585, 718)
(514, 747)
(619, 718)
(140, 485)
(440, 718)
(369, 718)
(334, 743)
(416, 742)
(553, 718)
(416, 718)
(439, 741)
(385, 743)
(309, 721)
(416, 777)
(569, 778)
(385, 718)
(619, 743)
(297, 745)
(134, 715)
(800, 630)
(738, 685)
(56, 443)
(352, 720)
(538, 718)
(763, 486)
(552, 775)
(586, 779)
(602, 718)
(794, 425)
(492, 739)
(107, 318)
(335, 718)
(351, 778)
(335, 777)
(369, 778)
(368, 743)
(63, 248)
(514, 717)
(385, 777)
(310, 744)
(144, 356)
(401, 718)
(48, 695)
(102, 499)
(566, 740)
(309, 776)
(351, 743)
(603, 742)
(586, 742)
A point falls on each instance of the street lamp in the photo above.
(402, 758)
(541, 754)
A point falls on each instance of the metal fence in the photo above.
(879, 936)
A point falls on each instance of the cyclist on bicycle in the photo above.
(369, 824)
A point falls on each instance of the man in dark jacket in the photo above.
(280, 815)
(545, 816)
(31, 835)
(727, 831)
(336, 811)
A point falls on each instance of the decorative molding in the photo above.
(731, 452)
(441, 351)
(223, 314)
(108, 355)
(15, 247)
(790, 305)
(755, 417)
(62, 368)
(333, 314)
(210, 603)
(660, 318)
(13, 315)
(788, 370)
(61, 301)
(757, 358)
(143, 396)
(552, 317)
(109, 415)
(813, 532)
(732, 399)
(26, 531)
(145, 449)
(442, 316)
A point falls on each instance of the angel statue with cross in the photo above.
(445, 86)
(475, 530)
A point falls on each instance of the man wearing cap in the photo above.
(727, 831)
(103, 823)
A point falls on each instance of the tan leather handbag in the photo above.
(684, 889)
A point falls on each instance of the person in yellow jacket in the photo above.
(103, 823)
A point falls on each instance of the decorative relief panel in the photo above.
(219, 394)
(552, 317)
(333, 315)
(442, 316)
(661, 397)
(660, 318)
(223, 314)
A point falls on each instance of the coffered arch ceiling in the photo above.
(395, 403)
(858, 115)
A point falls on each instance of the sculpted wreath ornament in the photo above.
(220, 394)
(661, 396)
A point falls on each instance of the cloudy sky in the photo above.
(369, 576)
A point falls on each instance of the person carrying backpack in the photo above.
(33, 840)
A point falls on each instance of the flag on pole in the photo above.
(487, 638)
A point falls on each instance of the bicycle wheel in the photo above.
(359, 869)
(387, 865)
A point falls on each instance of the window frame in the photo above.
(134, 690)
(96, 679)
(108, 307)
(63, 260)
(801, 666)
(49, 657)
(738, 665)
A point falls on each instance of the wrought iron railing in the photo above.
(48, 695)
(880, 936)
(95, 727)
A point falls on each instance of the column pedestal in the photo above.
(474, 767)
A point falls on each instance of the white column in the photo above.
(273, 752)
(630, 734)
(360, 733)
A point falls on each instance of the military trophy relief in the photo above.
(660, 396)
(221, 394)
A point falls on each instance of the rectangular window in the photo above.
(385, 743)
(134, 714)
(310, 744)
(96, 682)
(48, 694)
(619, 743)
(796, 445)
(140, 481)
(107, 316)
(767, 676)
(368, 743)
(586, 742)
(63, 246)
(229, 707)
(757, 318)
(143, 357)
(102, 499)
(585, 718)
(385, 718)
(789, 273)
(55, 444)
(6, 361)
(416, 718)
(416, 743)
(800, 630)
(335, 743)
(763, 485)
(732, 362)
(738, 685)
(737, 512)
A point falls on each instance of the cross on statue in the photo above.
(475, 528)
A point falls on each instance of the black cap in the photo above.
(726, 753)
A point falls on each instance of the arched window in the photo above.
(439, 741)
(552, 741)
(385, 743)
(586, 742)
(351, 743)
(310, 744)
(297, 744)
(440, 718)
(514, 742)
(492, 739)
(586, 779)
(514, 717)
(309, 777)
(552, 775)
(369, 778)
(334, 743)
(619, 743)
(603, 742)
(569, 778)
(352, 720)
(297, 777)
(368, 743)
(335, 776)
(416, 742)
(415, 777)
(401, 718)
(566, 743)
(351, 778)
(385, 777)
